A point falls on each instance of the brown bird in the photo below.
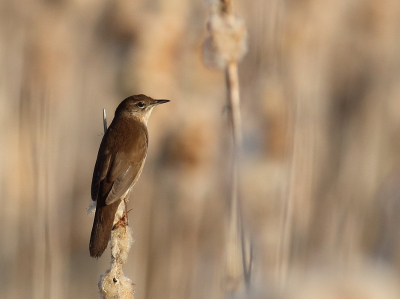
(119, 164)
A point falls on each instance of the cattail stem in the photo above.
(236, 229)
(113, 284)
(223, 49)
(232, 83)
(104, 120)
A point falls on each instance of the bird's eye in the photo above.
(140, 105)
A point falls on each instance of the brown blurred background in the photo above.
(321, 126)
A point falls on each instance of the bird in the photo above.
(119, 163)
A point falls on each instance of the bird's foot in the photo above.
(121, 223)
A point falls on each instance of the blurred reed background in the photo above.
(321, 127)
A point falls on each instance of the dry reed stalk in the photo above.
(225, 46)
(113, 284)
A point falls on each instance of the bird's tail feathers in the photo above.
(102, 226)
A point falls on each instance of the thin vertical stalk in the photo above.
(236, 230)
(225, 46)
(232, 82)
(113, 283)
(104, 120)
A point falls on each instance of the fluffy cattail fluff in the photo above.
(227, 40)
(113, 284)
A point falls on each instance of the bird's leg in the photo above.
(123, 221)
(120, 223)
(125, 217)
(126, 212)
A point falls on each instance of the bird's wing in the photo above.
(116, 171)
(100, 169)
(123, 175)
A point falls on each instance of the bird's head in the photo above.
(138, 106)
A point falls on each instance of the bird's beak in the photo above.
(158, 102)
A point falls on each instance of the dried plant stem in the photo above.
(112, 283)
(236, 230)
(104, 120)
(232, 83)
(222, 49)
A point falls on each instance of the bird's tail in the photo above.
(102, 226)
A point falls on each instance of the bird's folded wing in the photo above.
(118, 166)
(116, 174)
(100, 172)
(122, 176)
